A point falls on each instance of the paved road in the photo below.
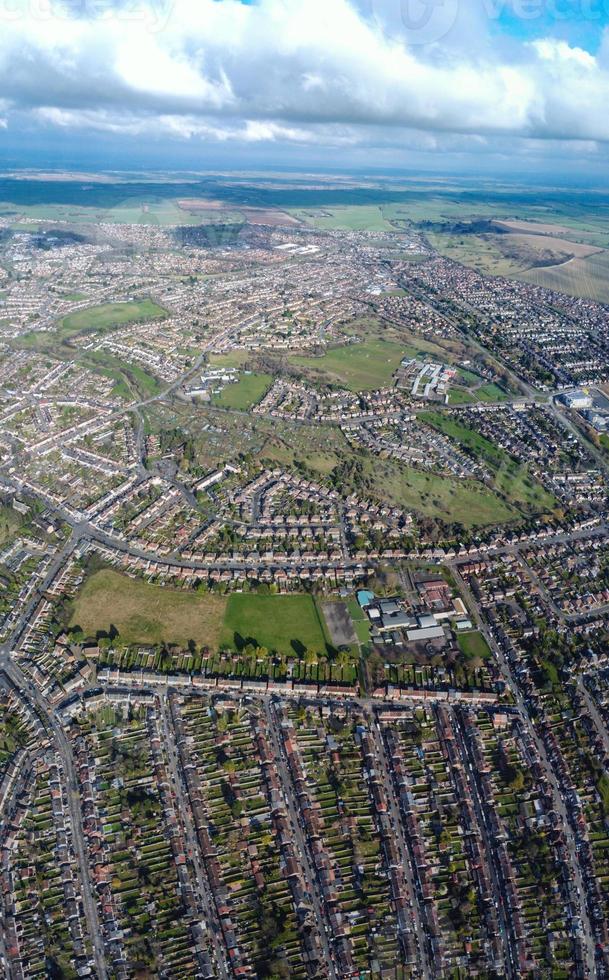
(498, 883)
(592, 709)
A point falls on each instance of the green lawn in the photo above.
(146, 614)
(350, 218)
(358, 367)
(451, 500)
(361, 623)
(474, 645)
(458, 396)
(74, 297)
(233, 359)
(284, 623)
(100, 318)
(131, 381)
(248, 391)
(10, 523)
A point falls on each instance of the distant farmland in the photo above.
(585, 277)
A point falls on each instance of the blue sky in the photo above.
(431, 83)
(579, 23)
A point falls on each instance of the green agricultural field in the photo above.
(474, 645)
(108, 315)
(358, 367)
(585, 277)
(351, 218)
(248, 391)
(146, 614)
(130, 211)
(288, 624)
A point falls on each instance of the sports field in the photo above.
(146, 614)
(358, 367)
(110, 315)
(474, 645)
(248, 391)
(288, 624)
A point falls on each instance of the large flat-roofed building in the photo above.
(425, 633)
(396, 621)
(576, 399)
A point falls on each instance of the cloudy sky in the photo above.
(351, 82)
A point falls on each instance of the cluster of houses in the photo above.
(550, 339)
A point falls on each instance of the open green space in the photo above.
(361, 623)
(358, 367)
(107, 315)
(130, 211)
(232, 359)
(288, 624)
(131, 381)
(246, 392)
(144, 613)
(10, 523)
(451, 500)
(74, 297)
(511, 479)
(485, 393)
(474, 645)
(480, 447)
(350, 218)
(346, 203)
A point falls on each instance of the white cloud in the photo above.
(290, 70)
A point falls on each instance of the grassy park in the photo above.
(288, 624)
(245, 393)
(107, 315)
(474, 645)
(144, 613)
(512, 480)
(358, 367)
